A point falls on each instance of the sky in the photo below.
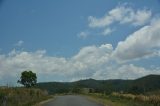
(69, 40)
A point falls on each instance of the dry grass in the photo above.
(21, 96)
(127, 96)
(150, 99)
(120, 99)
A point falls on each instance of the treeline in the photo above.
(139, 86)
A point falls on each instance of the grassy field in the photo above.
(116, 99)
(21, 96)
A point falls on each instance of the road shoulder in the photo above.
(45, 101)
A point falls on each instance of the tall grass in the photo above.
(120, 99)
(21, 96)
(148, 99)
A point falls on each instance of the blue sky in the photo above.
(79, 39)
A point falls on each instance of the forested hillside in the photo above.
(142, 85)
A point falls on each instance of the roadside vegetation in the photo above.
(28, 95)
(21, 96)
(117, 99)
(144, 91)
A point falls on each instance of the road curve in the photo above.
(71, 100)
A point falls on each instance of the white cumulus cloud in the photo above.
(107, 31)
(90, 62)
(145, 42)
(121, 14)
(82, 65)
(124, 71)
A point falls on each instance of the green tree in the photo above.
(28, 79)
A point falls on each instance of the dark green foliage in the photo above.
(145, 84)
(55, 87)
(136, 90)
(138, 86)
(2, 96)
(28, 79)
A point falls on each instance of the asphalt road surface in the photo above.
(71, 100)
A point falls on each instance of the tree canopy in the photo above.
(28, 79)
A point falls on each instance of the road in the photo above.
(71, 100)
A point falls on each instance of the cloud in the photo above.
(19, 43)
(83, 35)
(49, 68)
(145, 42)
(99, 62)
(107, 31)
(93, 55)
(130, 71)
(121, 14)
(125, 71)
(138, 18)
(17, 61)
(90, 62)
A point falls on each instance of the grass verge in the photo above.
(109, 100)
(22, 96)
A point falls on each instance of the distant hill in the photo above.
(146, 84)
(141, 85)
